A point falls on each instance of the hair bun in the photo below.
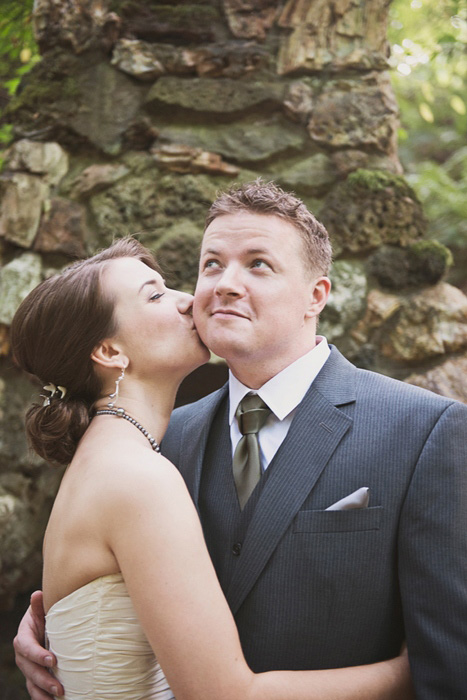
(55, 428)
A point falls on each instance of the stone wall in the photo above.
(140, 111)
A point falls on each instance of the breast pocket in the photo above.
(338, 520)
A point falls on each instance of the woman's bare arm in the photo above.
(155, 534)
(149, 521)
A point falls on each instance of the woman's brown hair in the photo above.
(53, 334)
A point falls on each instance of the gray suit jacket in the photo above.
(322, 589)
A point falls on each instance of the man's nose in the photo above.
(230, 282)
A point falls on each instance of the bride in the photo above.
(128, 585)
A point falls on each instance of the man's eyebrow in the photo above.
(250, 251)
(257, 251)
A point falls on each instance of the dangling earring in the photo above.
(114, 397)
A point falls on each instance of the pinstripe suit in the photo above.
(316, 589)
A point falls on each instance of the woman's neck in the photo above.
(150, 406)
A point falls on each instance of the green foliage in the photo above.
(429, 55)
(18, 53)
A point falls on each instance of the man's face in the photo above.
(255, 302)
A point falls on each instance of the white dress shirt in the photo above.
(282, 394)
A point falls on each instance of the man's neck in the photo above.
(255, 375)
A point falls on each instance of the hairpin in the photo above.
(57, 392)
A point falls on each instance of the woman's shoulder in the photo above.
(124, 471)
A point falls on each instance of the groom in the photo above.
(353, 535)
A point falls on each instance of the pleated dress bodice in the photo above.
(101, 649)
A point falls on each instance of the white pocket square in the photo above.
(358, 499)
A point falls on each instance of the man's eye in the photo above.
(211, 264)
(156, 296)
(259, 263)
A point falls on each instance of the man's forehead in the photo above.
(258, 231)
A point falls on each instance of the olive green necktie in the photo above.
(251, 415)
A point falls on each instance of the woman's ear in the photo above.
(319, 296)
(109, 354)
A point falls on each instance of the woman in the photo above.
(127, 577)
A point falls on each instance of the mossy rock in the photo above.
(420, 264)
(178, 254)
(147, 203)
(211, 95)
(50, 86)
(371, 208)
(312, 175)
(347, 300)
(246, 141)
(183, 20)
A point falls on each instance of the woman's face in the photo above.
(154, 324)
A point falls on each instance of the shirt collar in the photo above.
(286, 389)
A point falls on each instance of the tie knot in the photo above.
(251, 414)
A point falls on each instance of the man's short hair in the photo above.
(261, 197)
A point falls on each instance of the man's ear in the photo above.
(319, 295)
(109, 354)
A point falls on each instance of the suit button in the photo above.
(237, 548)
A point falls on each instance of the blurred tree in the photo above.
(429, 55)
(18, 52)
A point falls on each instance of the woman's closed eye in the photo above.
(158, 295)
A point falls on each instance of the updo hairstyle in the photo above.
(53, 334)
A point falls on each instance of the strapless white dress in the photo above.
(102, 652)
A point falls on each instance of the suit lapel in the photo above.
(317, 429)
(194, 436)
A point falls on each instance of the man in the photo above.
(355, 535)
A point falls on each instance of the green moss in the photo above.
(432, 250)
(376, 180)
(37, 93)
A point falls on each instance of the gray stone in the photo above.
(429, 323)
(62, 229)
(210, 95)
(178, 253)
(309, 175)
(350, 159)
(27, 489)
(147, 202)
(96, 178)
(78, 26)
(448, 378)
(372, 208)
(422, 263)
(22, 529)
(185, 22)
(21, 207)
(347, 300)
(17, 279)
(48, 159)
(137, 58)
(245, 142)
(185, 159)
(299, 100)
(338, 36)
(147, 61)
(356, 113)
(107, 106)
(249, 19)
